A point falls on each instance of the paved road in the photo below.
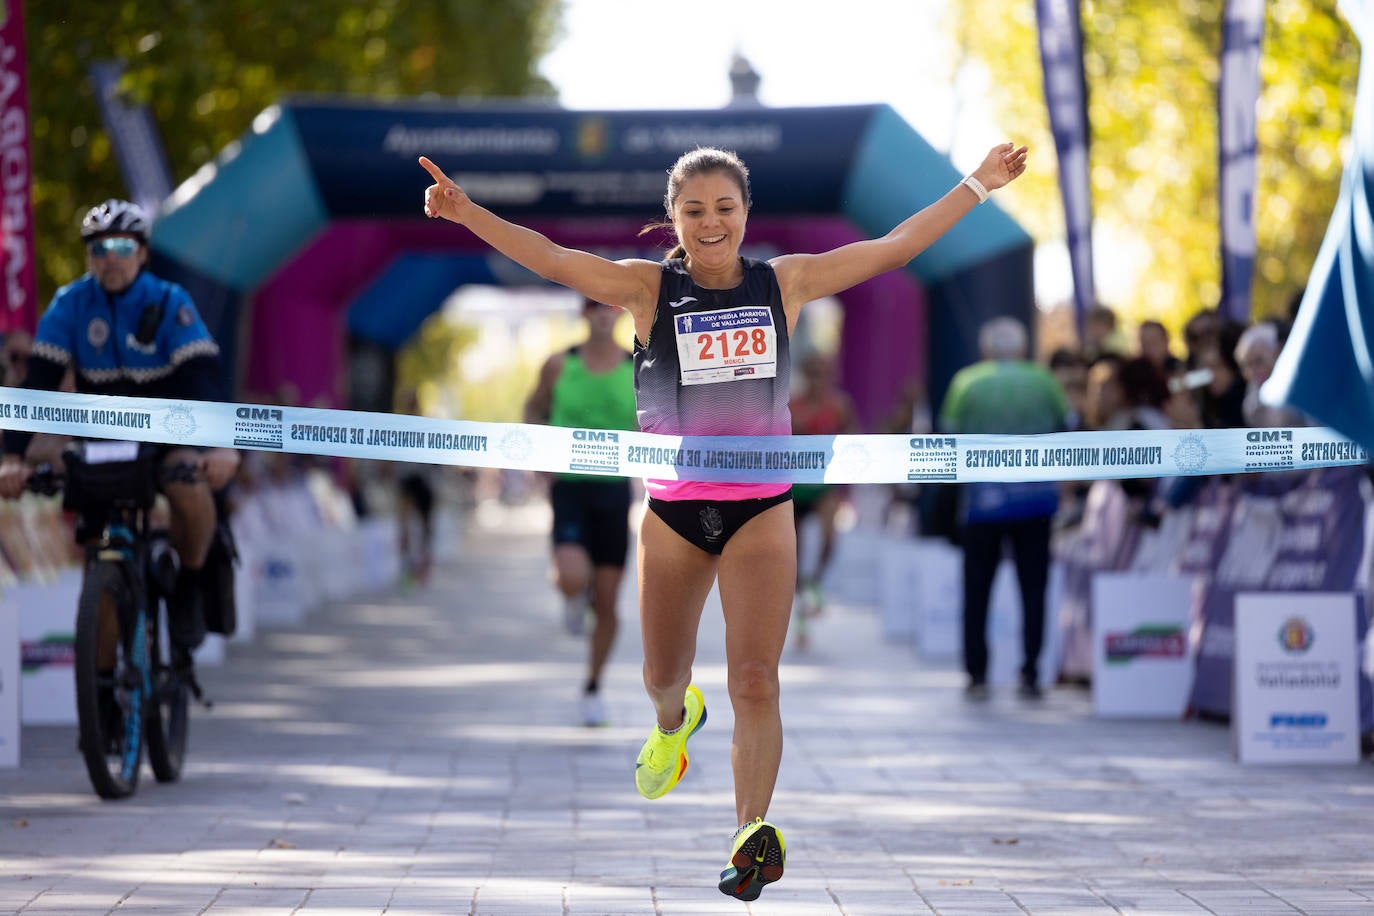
(419, 753)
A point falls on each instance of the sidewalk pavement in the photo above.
(420, 753)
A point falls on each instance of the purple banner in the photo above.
(1237, 99)
(134, 138)
(1066, 96)
(16, 175)
(1289, 533)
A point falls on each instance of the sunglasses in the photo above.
(119, 247)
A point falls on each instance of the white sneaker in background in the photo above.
(575, 610)
(593, 710)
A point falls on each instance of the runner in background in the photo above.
(821, 408)
(590, 386)
(415, 512)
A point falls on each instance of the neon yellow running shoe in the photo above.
(756, 859)
(663, 758)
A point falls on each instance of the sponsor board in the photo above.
(1142, 667)
(1296, 687)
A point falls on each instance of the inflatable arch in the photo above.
(304, 241)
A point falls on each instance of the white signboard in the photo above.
(938, 594)
(9, 687)
(939, 598)
(1296, 685)
(900, 573)
(1142, 666)
(47, 617)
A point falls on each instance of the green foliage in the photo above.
(428, 366)
(206, 69)
(1152, 72)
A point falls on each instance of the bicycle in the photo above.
(130, 692)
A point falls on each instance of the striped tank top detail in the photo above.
(747, 405)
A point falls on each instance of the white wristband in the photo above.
(976, 186)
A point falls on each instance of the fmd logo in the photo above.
(258, 427)
(595, 435)
(932, 442)
(1269, 435)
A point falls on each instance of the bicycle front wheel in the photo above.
(110, 685)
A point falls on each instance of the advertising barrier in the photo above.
(9, 689)
(1270, 533)
(46, 611)
(1296, 678)
(1142, 665)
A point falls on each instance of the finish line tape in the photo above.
(753, 459)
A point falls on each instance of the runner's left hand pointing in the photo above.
(443, 198)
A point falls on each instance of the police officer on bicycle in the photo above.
(123, 331)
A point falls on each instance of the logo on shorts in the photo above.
(97, 332)
(712, 524)
(186, 317)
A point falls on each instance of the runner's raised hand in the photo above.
(443, 198)
(1003, 163)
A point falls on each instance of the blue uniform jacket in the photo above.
(124, 343)
(148, 341)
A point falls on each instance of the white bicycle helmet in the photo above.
(114, 217)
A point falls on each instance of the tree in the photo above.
(1152, 74)
(206, 69)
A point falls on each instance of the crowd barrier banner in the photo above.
(1296, 672)
(9, 690)
(1282, 533)
(797, 459)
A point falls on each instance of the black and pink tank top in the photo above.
(716, 363)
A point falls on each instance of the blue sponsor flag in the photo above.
(1066, 96)
(1327, 366)
(1237, 98)
(137, 146)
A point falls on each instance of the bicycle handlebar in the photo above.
(47, 480)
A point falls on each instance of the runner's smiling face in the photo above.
(709, 216)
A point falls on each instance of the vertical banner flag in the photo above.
(1327, 366)
(1066, 96)
(1237, 100)
(16, 204)
(134, 138)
